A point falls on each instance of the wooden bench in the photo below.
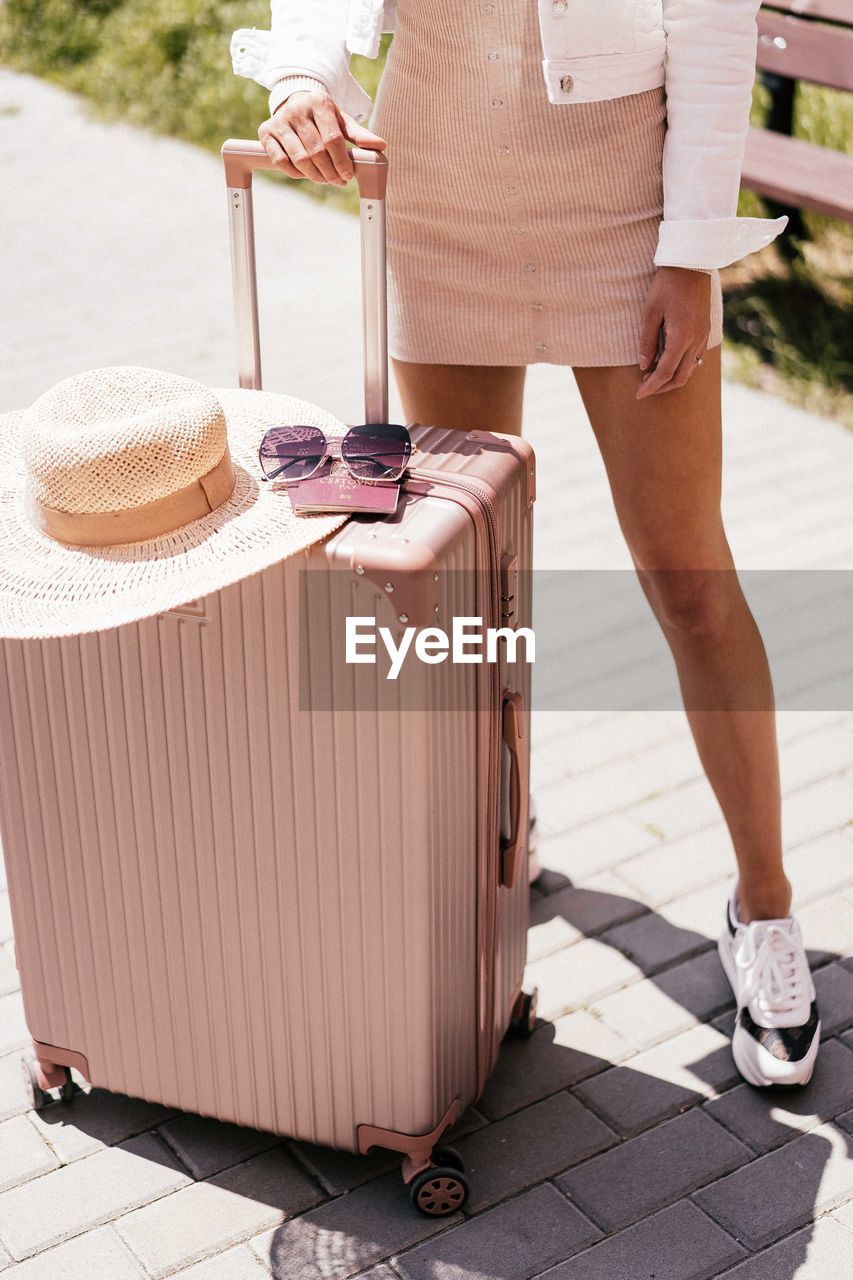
(801, 40)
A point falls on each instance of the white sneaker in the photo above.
(777, 1028)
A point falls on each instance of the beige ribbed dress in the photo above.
(518, 231)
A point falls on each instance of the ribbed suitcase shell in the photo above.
(234, 905)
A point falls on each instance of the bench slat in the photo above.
(828, 10)
(799, 173)
(805, 50)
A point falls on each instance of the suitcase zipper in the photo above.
(484, 499)
(481, 492)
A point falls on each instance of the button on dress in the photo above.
(519, 231)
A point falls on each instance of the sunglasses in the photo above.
(372, 451)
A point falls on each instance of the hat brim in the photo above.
(48, 588)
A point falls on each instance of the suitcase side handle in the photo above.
(241, 157)
(514, 850)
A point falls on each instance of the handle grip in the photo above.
(241, 157)
(514, 850)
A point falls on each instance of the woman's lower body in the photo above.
(522, 232)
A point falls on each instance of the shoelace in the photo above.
(772, 973)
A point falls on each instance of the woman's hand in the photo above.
(305, 138)
(679, 300)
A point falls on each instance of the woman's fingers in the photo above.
(679, 299)
(277, 155)
(675, 345)
(686, 367)
(358, 134)
(301, 139)
(307, 137)
(307, 150)
(329, 129)
(649, 334)
(674, 370)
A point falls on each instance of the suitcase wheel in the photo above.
(448, 1158)
(523, 1021)
(37, 1087)
(439, 1191)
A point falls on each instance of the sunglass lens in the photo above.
(377, 451)
(291, 453)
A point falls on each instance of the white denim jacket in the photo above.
(703, 51)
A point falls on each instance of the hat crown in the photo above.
(113, 439)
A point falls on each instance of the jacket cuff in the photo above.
(255, 55)
(287, 85)
(713, 242)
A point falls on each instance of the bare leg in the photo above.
(467, 397)
(663, 458)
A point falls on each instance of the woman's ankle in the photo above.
(764, 901)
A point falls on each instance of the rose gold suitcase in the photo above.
(299, 916)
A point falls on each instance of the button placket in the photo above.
(515, 200)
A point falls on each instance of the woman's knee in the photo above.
(695, 604)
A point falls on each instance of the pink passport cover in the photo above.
(339, 491)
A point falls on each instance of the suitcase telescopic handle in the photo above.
(514, 850)
(241, 157)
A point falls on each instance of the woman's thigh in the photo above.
(466, 397)
(663, 456)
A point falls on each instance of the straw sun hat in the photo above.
(127, 491)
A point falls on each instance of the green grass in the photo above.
(165, 65)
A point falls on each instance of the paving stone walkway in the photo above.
(618, 1144)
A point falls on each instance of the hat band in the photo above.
(139, 524)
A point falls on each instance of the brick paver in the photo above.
(639, 1177)
(529, 1146)
(679, 866)
(346, 1236)
(827, 924)
(703, 911)
(207, 1146)
(13, 1097)
(572, 976)
(569, 914)
(660, 1082)
(8, 972)
(558, 1055)
(236, 1264)
(81, 1196)
(817, 1252)
(210, 1216)
(96, 1120)
(781, 1191)
(5, 917)
(652, 943)
(745, 1110)
(658, 1008)
(617, 1144)
(679, 1243)
(25, 1154)
(521, 1238)
(820, 866)
(13, 1028)
(594, 846)
(339, 1171)
(97, 1254)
